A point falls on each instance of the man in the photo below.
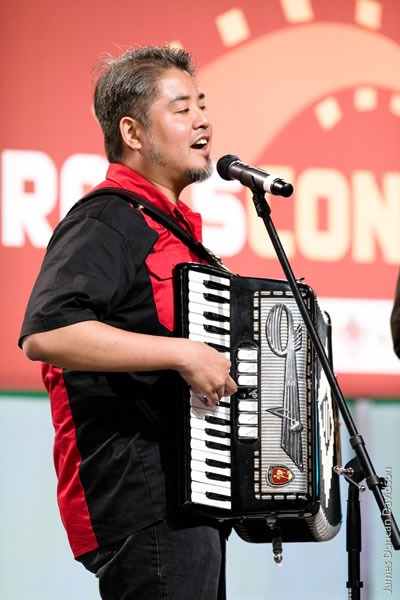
(101, 320)
(395, 319)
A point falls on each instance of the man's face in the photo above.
(176, 146)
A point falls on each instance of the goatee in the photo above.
(200, 175)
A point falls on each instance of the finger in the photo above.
(230, 387)
(219, 392)
(213, 398)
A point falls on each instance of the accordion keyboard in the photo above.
(209, 322)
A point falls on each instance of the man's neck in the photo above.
(166, 188)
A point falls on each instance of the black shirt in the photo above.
(114, 447)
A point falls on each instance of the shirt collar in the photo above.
(119, 175)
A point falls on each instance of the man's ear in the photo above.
(130, 132)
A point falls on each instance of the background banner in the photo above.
(309, 90)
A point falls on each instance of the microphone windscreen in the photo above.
(223, 165)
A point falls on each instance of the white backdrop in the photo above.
(36, 563)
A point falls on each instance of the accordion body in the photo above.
(264, 457)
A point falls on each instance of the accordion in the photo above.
(264, 457)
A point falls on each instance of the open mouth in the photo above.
(200, 144)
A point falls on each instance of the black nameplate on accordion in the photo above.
(268, 451)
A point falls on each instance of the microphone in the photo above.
(230, 167)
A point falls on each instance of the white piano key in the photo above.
(203, 425)
(203, 487)
(201, 277)
(196, 423)
(248, 419)
(198, 298)
(200, 319)
(200, 411)
(197, 317)
(200, 434)
(212, 303)
(198, 305)
(247, 380)
(200, 476)
(217, 338)
(199, 445)
(203, 467)
(206, 453)
(200, 288)
(248, 432)
(247, 354)
(247, 406)
(201, 498)
(201, 337)
(202, 454)
(225, 400)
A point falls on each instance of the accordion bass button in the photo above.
(248, 419)
(247, 433)
(247, 354)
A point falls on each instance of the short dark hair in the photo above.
(128, 85)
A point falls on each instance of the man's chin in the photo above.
(199, 175)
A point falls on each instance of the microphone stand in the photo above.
(361, 467)
(353, 525)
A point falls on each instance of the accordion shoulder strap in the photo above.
(161, 217)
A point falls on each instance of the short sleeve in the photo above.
(89, 265)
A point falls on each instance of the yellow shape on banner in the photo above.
(175, 44)
(394, 104)
(297, 11)
(233, 27)
(365, 98)
(368, 13)
(328, 113)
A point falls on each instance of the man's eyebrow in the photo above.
(183, 97)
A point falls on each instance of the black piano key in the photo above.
(216, 446)
(211, 316)
(214, 298)
(215, 496)
(224, 403)
(216, 420)
(218, 347)
(217, 433)
(216, 285)
(217, 476)
(215, 329)
(211, 462)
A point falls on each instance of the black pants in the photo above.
(162, 563)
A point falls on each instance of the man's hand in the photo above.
(206, 371)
